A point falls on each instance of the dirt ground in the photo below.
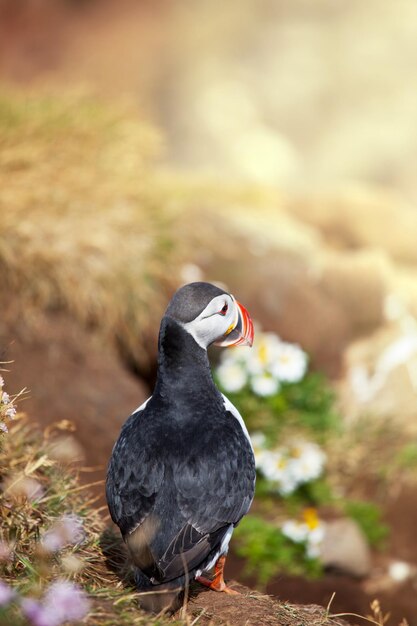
(253, 609)
(351, 595)
(70, 376)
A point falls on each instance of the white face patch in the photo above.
(219, 316)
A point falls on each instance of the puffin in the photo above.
(182, 473)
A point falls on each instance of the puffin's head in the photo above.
(211, 315)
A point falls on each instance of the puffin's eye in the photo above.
(223, 311)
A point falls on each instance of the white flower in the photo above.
(307, 462)
(313, 550)
(291, 467)
(316, 535)
(310, 531)
(273, 465)
(258, 444)
(363, 385)
(397, 353)
(399, 571)
(290, 363)
(5, 398)
(232, 376)
(258, 439)
(264, 385)
(263, 354)
(288, 484)
(268, 363)
(3, 427)
(294, 530)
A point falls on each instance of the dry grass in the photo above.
(25, 457)
(80, 228)
(88, 226)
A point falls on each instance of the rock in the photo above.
(380, 376)
(345, 548)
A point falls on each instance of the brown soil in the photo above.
(252, 608)
(69, 375)
(352, 595)
(349, 597)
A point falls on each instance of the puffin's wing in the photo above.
(134, 475)
(215, 487)
(216, 483)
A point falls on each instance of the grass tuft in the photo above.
(82, 225)
(26, 515)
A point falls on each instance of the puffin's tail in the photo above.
(166, 597)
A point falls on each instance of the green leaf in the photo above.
(368, 517)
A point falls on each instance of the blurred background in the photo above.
(270, 146)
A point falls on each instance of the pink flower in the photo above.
(62, 602)
(66, 531)
(11, 412)
(66, 601)
(7, 594)
(37, 614)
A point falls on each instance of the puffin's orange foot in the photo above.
(217, 584)
(211, 584)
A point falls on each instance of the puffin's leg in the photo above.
(217, 584)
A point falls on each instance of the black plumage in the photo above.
(182, 473)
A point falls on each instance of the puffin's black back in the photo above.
(182, 472)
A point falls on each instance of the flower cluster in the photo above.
(68, 530)
(309, 531)
(7, 594)
(7, 408)
(288, 467)
(62, 602)
(270, 363)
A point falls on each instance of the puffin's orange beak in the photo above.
(241, 332)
